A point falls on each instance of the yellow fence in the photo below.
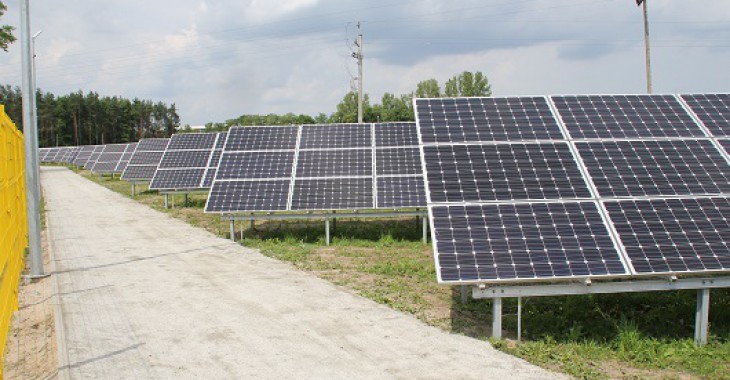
(13, 223)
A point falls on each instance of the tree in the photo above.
(6, 31)
(428, 89)
(468, 84)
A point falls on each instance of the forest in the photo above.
(89, 118)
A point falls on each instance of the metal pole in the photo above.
(327, 231)
(702, 316)
(35, 110)
(464, 291)
(497, 318)
(134, 189)
(646, 46)
(359, 77)
(519, 319)
(233, 230)
(424, 226)
(253, 224)
(30, 132)
(167, 202)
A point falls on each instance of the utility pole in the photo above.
(646, 45)
(30, 137)
(358, 56)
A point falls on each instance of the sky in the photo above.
(217, 60)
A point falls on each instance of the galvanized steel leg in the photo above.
(233, 230)
(253, 224)
(464, 293)
(519, 319)
(702, 316)
(497, 318)
(167, 201)
(134, 189)
(424, 225)
(327, 231)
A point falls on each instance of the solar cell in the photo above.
(84, 154)
(453, 120)
(250, 165)
(650, 168)
(139, 172)
(94, 156)
(126, 157)
(334, 163)
(333, 194)
(184, 164)
(401, 192)
(398, 161)
(674, 235)
(235, 196)
(396, 134)
(476, 173)
(522, 241)
(625, 116)
(336, 136)
(109, 158)
(146, 158)
(261, 138)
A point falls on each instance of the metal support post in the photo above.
(519, 319)
(253, 224)
(702, 316)
(30, 141)
(334, 223)
(167, 201)
(233, 229)
(134, 189)
(497, 318)
(465, 293)
(241, 228)
(327, 231)
(424, 226)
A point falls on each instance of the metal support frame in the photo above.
(167, 201)
(519, 319)
(702, 316)
(702, 285)
(134, 189)
(424, 227)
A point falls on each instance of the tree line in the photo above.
(87, 118)
(82, 118)
(391, 107)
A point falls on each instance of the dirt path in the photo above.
(147, 296)
(31, 347)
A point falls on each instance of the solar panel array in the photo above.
(94, 156)
(143, 162)
(319, 167)
(108, 160)
(85, 152)
(562, 187)
(186, 161)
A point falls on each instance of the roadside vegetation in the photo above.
(625, 336)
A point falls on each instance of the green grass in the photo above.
(631, 336)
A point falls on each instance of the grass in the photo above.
(628, 336)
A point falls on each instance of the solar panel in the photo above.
(674, 235)
(214, 160)
(398, 161)
(333, 194)
(396, 134)
(648, 168)
(122, 165)
(143, 163)
(453, 120)
(713, 110)
(400, 192)
(477, 173)
(512, 210)
(261, 138)
(335, 163)
(332, 167)
(184, 163)
(522, 241)
(625, 116)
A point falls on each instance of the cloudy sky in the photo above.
(219, 59)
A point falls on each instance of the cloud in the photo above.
(218, 60)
